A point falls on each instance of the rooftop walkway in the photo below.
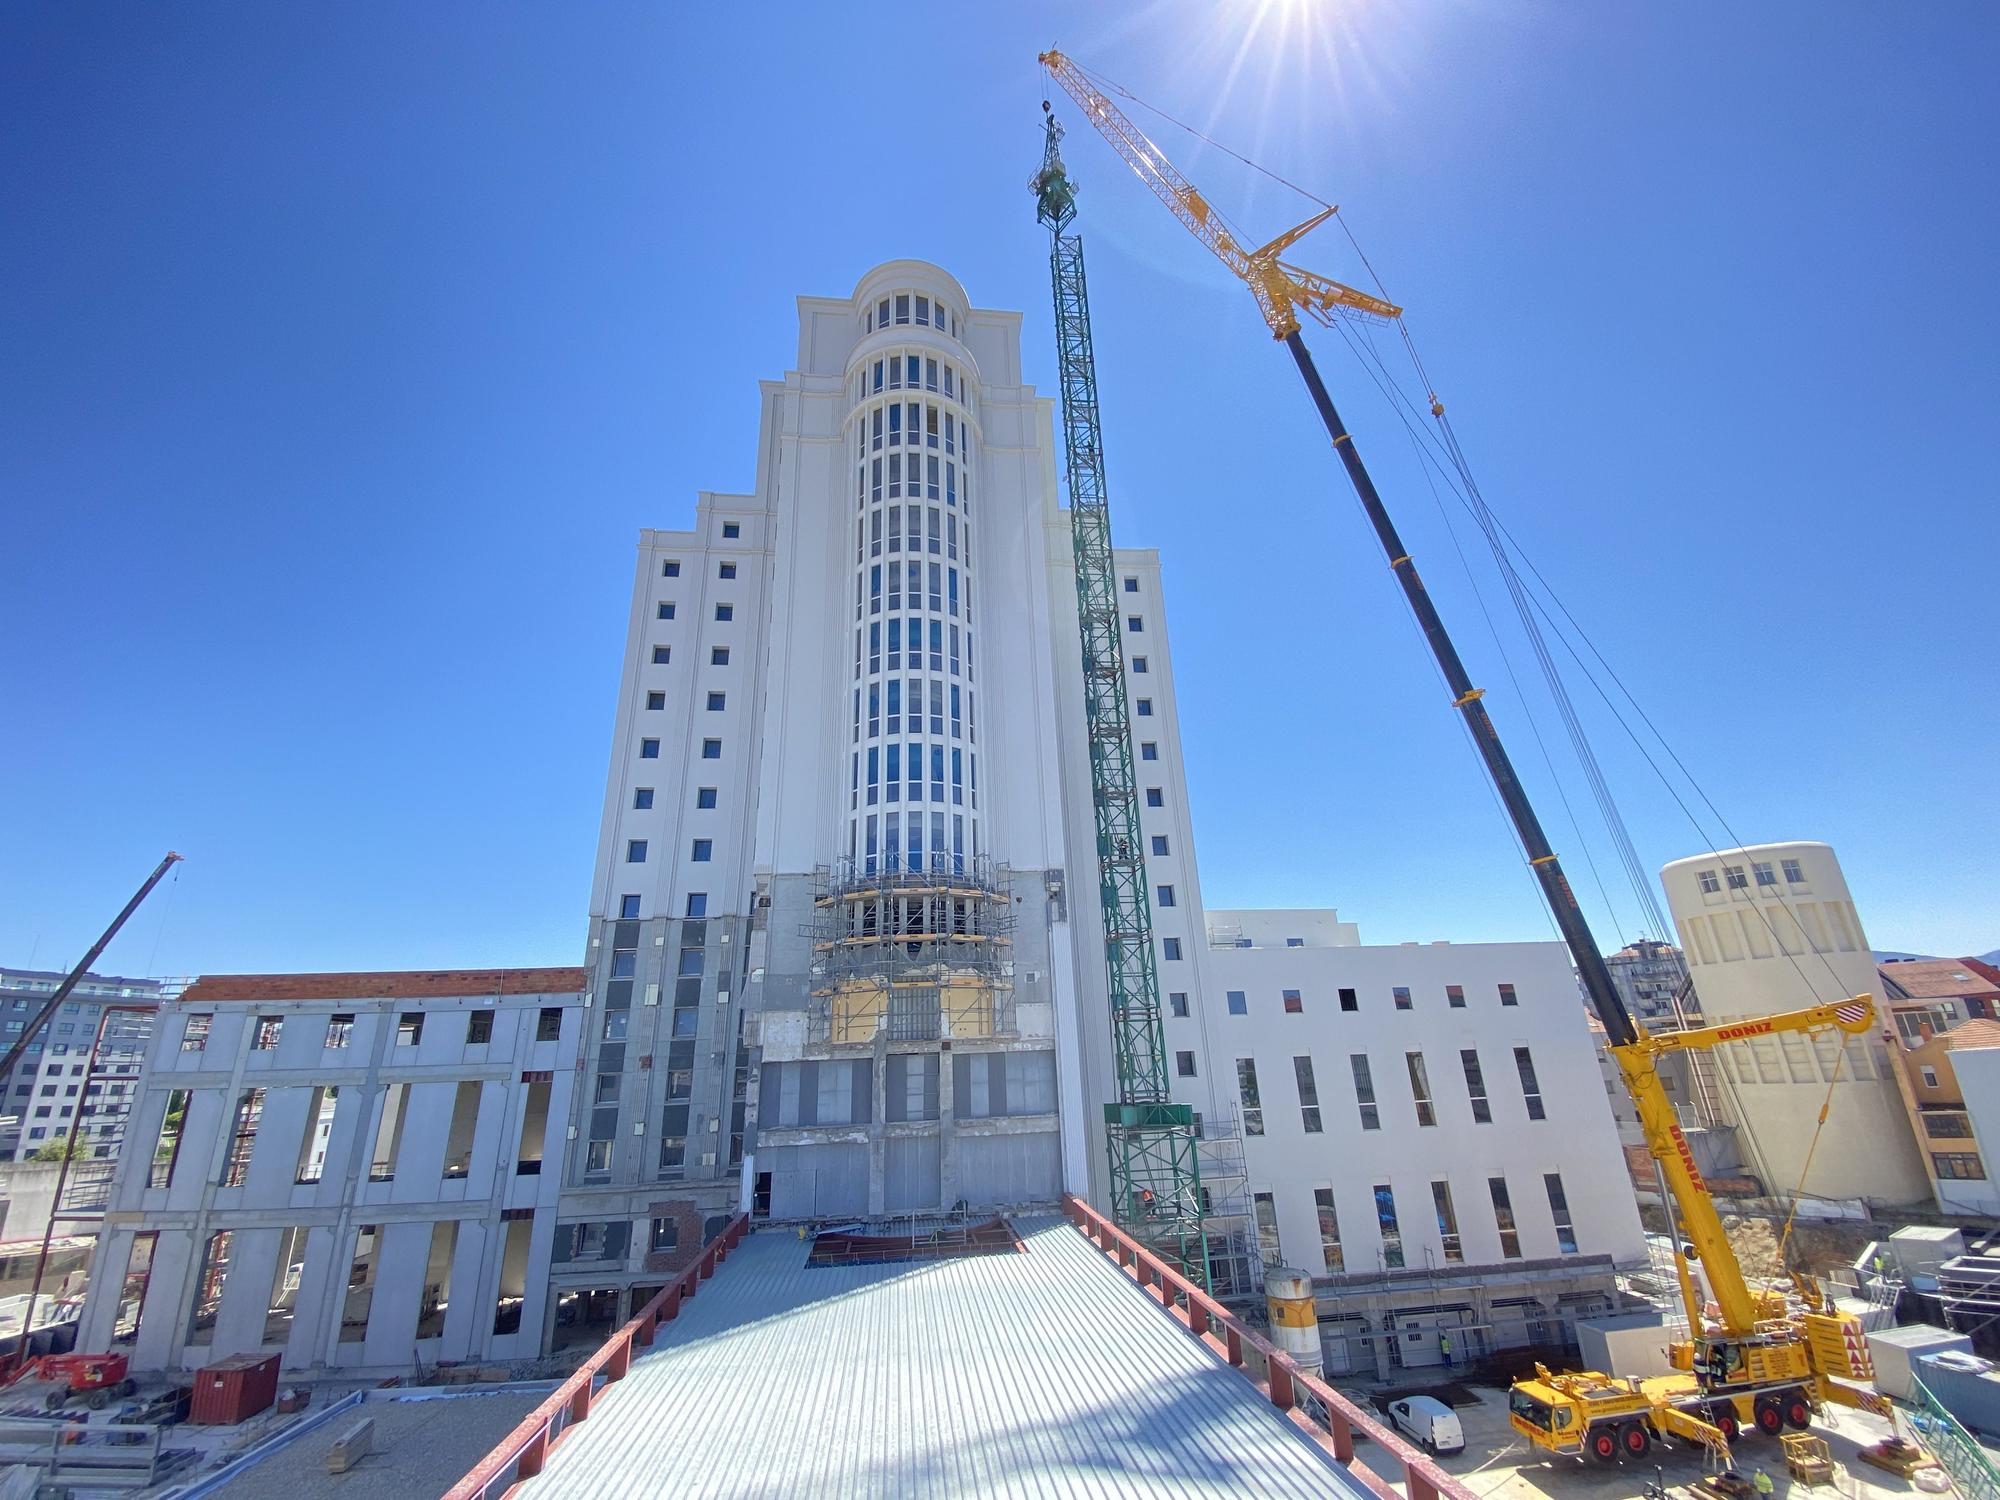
(1047, 1373)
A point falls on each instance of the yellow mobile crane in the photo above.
(1767, 1357)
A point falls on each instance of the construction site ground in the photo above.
(1498, 1464)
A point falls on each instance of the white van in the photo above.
(1430, 1422)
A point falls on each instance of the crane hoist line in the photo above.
(1766, 1357)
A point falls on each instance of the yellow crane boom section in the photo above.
(1639, 1063)
(1280, 289)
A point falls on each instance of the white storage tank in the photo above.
(1772, 927)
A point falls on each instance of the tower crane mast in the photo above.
(1150, 1140)
(1763, 1357)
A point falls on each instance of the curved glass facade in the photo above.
(913, 774)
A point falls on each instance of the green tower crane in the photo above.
(1155, 1170)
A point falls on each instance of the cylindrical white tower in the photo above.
(1770, 928)
(912, 427)
(1294, 1316)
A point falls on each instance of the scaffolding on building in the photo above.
(912, 953)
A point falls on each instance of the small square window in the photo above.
(1402, 994)
(704, 796)
(662, 655)
(666, 609)
(1177, 1002)
(664, 1238)
(1239, 1003)
(725, 570)
(703, 848)
(635, 851)
(1159, 843)
(711, 749)
(1454, 996)
(642, 798)
(1165, 895)
(479, 1028)
(1149, 751)
(716, 702)
(1170, 949)
(1145, 708)
(1131, 585)
(1507, 996)
(409, 1028)
(1294, 1004)
(1349, 1000)
(1184, 1064)
(628, 908)
(1295, 942)
(725, 612)
(1154, 798)
(1138, 664)
(731, 530)
(1135, 623)
(649, 749)
(656, 700)
(718, 656)
(671, 568)
(697, 905)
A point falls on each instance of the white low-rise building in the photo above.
(345, 1168)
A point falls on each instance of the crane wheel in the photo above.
(1603, 1444)
(97, 1400)
(1722, 1417)
(1770, 1416)
(1798, 1411)
(1635, 1440)
(53, 1401)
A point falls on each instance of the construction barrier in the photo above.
(1314, 1407)
(523, 1452)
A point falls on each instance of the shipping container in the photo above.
(235, 1388)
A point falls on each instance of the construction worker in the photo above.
(1444, 1348)
(1763, 1483)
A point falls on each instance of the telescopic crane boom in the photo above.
(1757, 1351)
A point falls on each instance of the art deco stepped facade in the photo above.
(831, 911)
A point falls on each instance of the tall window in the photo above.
(1454, 996)
(166, 1151)
(1364, 1092)
(242, 1137)
(1402, 994)
(1302, 1070)
(1246, 1091)
(1507, 995)
(1503, 1218)
(1559, 1210)
(1531, 1088)
(1475, 1087)
(1267, 1228)
(1329, 1230)
(1294, 1006)
(1454, 1248)
(1350, 1001)
(1239, 1004)
(320, 1107)
(1385, 1222)
(1420, 1088)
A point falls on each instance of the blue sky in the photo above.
(347, 348)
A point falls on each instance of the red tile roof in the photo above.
(1938, 978)
(402, 984)
(1968, 1034)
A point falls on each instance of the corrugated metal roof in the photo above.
(1042, 1374)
